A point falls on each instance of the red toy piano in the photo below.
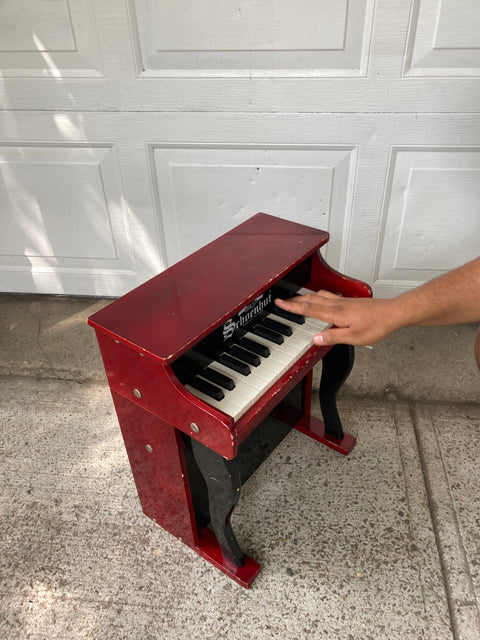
(208, 375)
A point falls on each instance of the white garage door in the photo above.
(133, 132)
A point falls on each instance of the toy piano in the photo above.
(200, 361)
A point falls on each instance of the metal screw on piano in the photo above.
(224, 376)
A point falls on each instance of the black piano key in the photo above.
(293, 317)
(256, 347)
(286, 290)
(188, 366)
(233, 363)
(218, 378)
(268, 334)
(195, 360)
(206, 350)
(207, 388)
(244, 355)
(220, 355)
(285, 293)
(184, 372)
(279, 327)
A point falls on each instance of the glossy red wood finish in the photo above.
(324, 277)
(164, 397)
(156, 457)
(315, 428)
(157, 460)
(143, 332)
(169, 313)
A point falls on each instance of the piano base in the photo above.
(215, 482)
(337, 365)
(208, 545)
(209, 548)
(315, 428)
(192, 491)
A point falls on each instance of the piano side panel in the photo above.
(130, 374)
(325, 277)
(155, 452)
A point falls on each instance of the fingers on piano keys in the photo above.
(253, 363)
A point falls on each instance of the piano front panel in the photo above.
(156, 389)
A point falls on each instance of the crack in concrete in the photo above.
(55, 374)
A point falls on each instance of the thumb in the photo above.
(330, 337)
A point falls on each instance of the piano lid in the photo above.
(169, 313)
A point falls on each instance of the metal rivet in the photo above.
(137, 393)
(194, 427)
(149, 448)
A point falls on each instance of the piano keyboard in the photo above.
(232, 380)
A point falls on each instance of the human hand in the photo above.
(357, 321)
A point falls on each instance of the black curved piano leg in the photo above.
(223, 482)
(337, 365)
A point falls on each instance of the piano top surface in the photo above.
(169, 313)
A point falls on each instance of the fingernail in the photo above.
(318, 340)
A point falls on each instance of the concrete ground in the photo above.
(381, 544)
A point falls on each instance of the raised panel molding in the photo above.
(203, 191)
(48, 38)
(431, 221)
(444, 38)
(63, 217)
(252, 38)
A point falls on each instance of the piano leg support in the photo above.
(220, 547)
(337, 364)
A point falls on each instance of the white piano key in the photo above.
(253, 379)
(304, 292)
(248, 389)
(318, 325)
(226, 405)
(242, 395)
(251, 388)
(288, 348)
(311, 327)
(273, 364)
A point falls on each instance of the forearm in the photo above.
(453, 298)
